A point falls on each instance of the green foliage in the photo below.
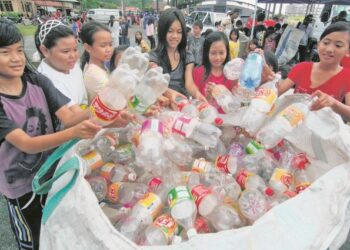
(11, 14)
(91, 4)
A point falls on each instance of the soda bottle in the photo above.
(226, 100)
(153, 84)
(186, 106)
(225, 217)
(226, 164)
(250, 77)
(106, 106)
(160, 232)
(204, 198)
(253, 181)
(282, 177)
(206, 112)
(124, 79)
(284, 123)
(126, 193)
(260, 105)
(252, 204)
(202, 226)
(183, 208)
(117, 173)
(99, 186)
(302, 181)
(233, 69)
(135, 59)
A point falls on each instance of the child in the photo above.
(98, 45)
(28, 104)
(57, 45)
(234, 43)
(195, 42)
(116, 56)
(252, 46)
(215, 56)
(141, 42)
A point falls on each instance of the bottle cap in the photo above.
(176, 240)
(300, 161)
(132, 177)
(269, 191)
(191, 233)
(218, 121)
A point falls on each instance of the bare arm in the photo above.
(190, 85)
(284, 85)
(70, 118)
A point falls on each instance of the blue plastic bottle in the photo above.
(252, 70)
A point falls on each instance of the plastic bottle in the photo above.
(250, 77)
(93, 161)
(126, 193)
(284, 123)
(252, 181)
(152, 85)
(226, 164)
(183, 209)
(117, 173)
(99, 187)
(106, 106)
(160, 232)
(252, 204)
(228, 102)
(206, 112)
(124, 79)
(225, 217)
(123, 154)
(114, 214)
(135, 59)
(302, 181)
(186, 106)
(282, 177)
(260, 105)
(178, 150)
(205, 200)
(233, 69)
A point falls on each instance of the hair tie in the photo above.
(47, 27)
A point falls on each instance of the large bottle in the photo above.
(124, 80)
(233, 69)
(282, 177)
(250, 77)
(152, 85)
(135, 59)
(284, 123)
(253, 204)
(226, 100)
(126, 193)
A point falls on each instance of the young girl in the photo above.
(98, 45)
(141, 42)
(215, 56)
(28, 104)
(114, 27)
(57, 45)
(326, 79)
(234, 43)
(172, 56)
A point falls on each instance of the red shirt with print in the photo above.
(337, 86)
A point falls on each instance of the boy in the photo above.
(196, 41)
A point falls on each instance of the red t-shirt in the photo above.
(345, 62)
(337, 86)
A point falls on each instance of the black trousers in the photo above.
(152, 41)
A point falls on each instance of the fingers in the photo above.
(323, 100)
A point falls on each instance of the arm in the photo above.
(70, 118)
(190, 85)
(284, 85)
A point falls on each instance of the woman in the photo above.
(57, 45)
(141, 42)
(327, 79)
(172, 56)
(150, 32)
(114, 27)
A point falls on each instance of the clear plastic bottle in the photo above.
(117, 173)
(126, 193)
(206, 112)
(226, 100)
(233, 69)
(123, 154)
(250, 77)
(124, 80)
(253, 181)
(186, 106)
(135, 59)
(204, 198)
(282, 177)
(183, 209)
(225, 217)
(302, 181)
(252, 204)
(284, 123)
(99, 186)
(226, 164)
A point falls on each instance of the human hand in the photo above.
(198, 95)
(85, 130)
(163, 101)
(152, 110)
(123, 119)
(172, 95)
(209, 90)
(323, 100)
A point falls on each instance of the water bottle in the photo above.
(252, 204)
(284, 123)
(178, 150)
(250, 77)
(99, 186)
(186, 106)
(124, 79)
(93, 161)
(123, 154)
(225, 217)
(205, 200)
(206, 112)
(183, 209)
(226, 164)
(233, 69)
(126, 193)
(226, 100)
(135, 59)
(117, 173)
(282, 177)
(152, 85)
(300, 163)
(253, 181)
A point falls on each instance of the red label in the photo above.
(202, 106)
(242, 177)
(101, 111)
(199, 192)
(201, 225)
(181, 125)
(300, 161)
(154, 183)
(302, 187)
(221, 163)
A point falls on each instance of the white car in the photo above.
(103, 15)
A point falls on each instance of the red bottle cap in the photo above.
(218, 121)
(300, 161)
(269, 191)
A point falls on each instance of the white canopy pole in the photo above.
(254, 17)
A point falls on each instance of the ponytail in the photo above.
(84, 59)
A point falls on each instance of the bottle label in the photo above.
(201, 225)
(100, 111)
(300, 161)
(283, 176)
(199, 192)
(113, 192)
(267, 95)
(167, 224)
(136, 104)
(181, 102)
(201, 166)
(125, 152)
(152, 203)
(253, 147)
(293, 115)
(302, 186)
(183, 126)
(93, 160)
(154, 183)
(106, 170)
(242, 177)
(202, 106)
(153, 125)
(178, 194)
(218, 90)
(221, 163)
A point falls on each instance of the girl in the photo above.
(150, 32)
(28, 104)
(116, 56)
(140, 42)
(215, 56)
(234, 43)
(172, 56)
(114, 27)
(326, 79)
(98, 45)
(57, 45)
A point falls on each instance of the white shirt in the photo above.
(95, 79)
(71, 85)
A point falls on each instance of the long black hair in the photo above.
(87, 36)
(209, 40)
(52, 37)
(111, 20)
(166, 19)
(10, 34)
(136, 40)
(336, 27)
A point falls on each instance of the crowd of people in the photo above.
(42, 108)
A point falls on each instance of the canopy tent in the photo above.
(343, 2)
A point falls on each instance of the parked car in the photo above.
(103, 15)
(208, 19)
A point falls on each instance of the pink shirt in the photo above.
(150, 30)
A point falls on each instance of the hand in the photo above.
(85, 130)
(163, 101)
(323, 100)
(152, 110)
(123, 119)
(200, 97)
(209, 89)
(267, 74)
(172, 94)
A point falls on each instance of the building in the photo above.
(20, 6)
(302, 9)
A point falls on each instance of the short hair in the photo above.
(198, 24)
(261, 17)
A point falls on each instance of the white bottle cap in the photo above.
(177, 239)
(191, 233)
(132, 177)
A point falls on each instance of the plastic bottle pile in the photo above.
(191, 171)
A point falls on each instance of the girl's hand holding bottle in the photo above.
(85, 130)
(324, 100)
